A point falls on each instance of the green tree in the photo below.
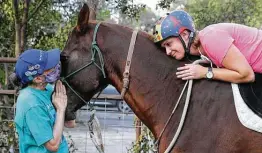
(6, 29)
(126, 8)
(206, 12)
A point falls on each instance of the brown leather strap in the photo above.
(128, 63)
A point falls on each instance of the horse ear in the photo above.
(83, 18)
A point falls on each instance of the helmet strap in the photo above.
(187, 48)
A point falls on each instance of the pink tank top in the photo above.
(217, 38)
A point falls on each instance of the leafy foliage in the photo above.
(165, 4)
(206, 12)
(145, 143)
(6, 28)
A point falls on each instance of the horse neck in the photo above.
(152, 86)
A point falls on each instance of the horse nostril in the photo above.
(63, 54)
(63, 57)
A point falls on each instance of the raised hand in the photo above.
(59, 97)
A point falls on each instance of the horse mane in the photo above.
(166, 65)
(145, 34)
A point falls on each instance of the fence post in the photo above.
(138, 128)
(7, 60)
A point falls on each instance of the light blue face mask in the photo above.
(54, 75)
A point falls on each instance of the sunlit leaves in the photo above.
(206, 12)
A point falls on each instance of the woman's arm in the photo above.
(60, 102)
(236, 68)
(53, 144)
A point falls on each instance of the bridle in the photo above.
(95, 50)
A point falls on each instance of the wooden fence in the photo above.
(12, 92)
(7, 60)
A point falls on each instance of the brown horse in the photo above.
(211, 124)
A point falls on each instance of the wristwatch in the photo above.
(209, 74)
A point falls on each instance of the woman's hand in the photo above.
(59, 97)
(60, 102)
(191, 71)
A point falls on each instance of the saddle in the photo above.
(252, 94)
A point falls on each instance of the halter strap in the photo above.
(94, 49)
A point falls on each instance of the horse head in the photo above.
(76, 54)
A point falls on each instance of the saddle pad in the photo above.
(246, 116)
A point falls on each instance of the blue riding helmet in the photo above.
(34, 62)
(172, 25)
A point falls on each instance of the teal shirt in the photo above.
(35, 119)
